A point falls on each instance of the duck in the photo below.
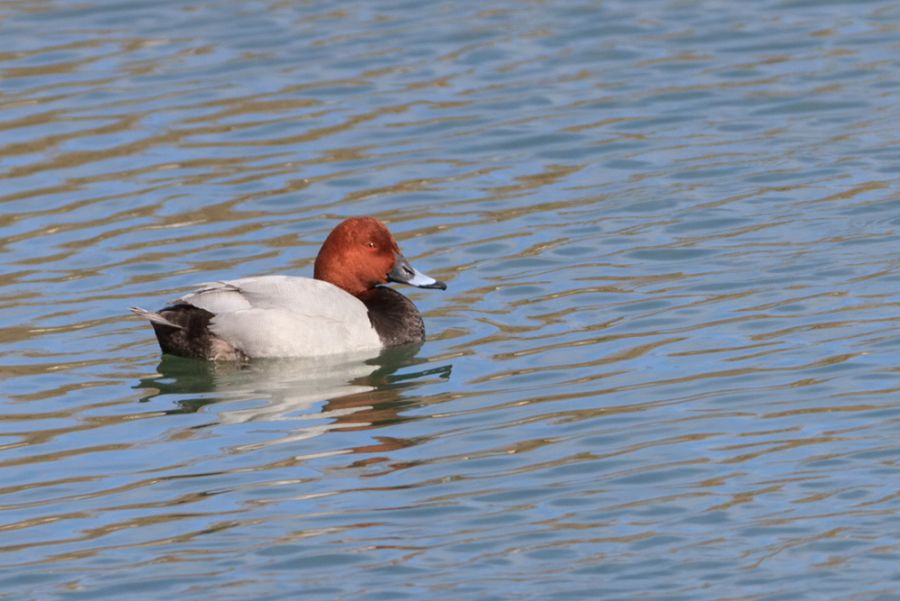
(346, 307)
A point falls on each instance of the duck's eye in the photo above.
(370, 244)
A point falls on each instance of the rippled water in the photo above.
(666, 366)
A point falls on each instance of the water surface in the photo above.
(665, 367)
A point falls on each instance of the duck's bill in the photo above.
(404, 273)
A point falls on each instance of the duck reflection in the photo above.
(347, 392)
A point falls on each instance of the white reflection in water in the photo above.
(316, 394)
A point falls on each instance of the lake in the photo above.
(665, 368)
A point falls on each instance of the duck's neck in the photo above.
(349, 285)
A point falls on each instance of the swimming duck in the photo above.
(344, 308)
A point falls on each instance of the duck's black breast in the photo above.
(394, 317)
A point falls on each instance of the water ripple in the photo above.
(665, 358)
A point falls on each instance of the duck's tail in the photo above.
(155, 317)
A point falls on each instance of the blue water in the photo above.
(665, 367)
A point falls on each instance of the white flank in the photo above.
(285, 316)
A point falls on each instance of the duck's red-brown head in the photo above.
(360, 253)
